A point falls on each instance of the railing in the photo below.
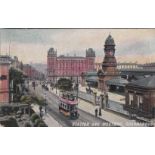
(112, 105)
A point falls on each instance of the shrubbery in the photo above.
(37, 121)
(34, 117)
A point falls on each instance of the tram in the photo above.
(68, 105)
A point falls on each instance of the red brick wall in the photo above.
(4, 84)
(69, 66)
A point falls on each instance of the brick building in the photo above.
(69, 66)
(140, 97)
(4, 79)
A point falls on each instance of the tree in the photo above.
(27, 99)
(34, 117)
(65, 84)
(21, 65)
(16, 79)
(32, 99)
(39, 101)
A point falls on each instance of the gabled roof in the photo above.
(148, 82)
(91, 73)
(117, 81)
(92, 79)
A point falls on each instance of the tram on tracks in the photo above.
(68, 105)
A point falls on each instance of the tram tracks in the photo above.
(85, 119)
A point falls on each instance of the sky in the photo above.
(31, 45)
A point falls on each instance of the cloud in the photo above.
(33, 44)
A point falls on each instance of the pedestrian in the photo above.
(96, 112)
(100, 112)
(107, 98)
(40, 108)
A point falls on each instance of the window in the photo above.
(139, 101)
(130, 99)
(3, 77)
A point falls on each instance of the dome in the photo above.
(109, 40)
(51, 51)
(90, 52)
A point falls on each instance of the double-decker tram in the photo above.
(68, 105)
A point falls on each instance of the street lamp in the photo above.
(95, 94)
(102, 101)
(78, 74)
(45, 95)
(77, 89)
(56, 84)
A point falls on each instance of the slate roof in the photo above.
(91, 73)
(92, 79)
(117, 81)
(148, 82)
(109, 40)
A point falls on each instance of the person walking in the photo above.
(96, 112)
(107, 98)
(100, 112)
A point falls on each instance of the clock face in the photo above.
(110, 53)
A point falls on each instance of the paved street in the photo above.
(85, 118)
(119, 120)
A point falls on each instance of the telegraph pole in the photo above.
(9, 46)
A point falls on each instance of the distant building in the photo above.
(121, 65)
(69, 66)
(4, 79)
(148, 66)
(16, 64)
(140, 97)
(32, 73)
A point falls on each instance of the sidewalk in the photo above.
(114, 97)
(107, 115)
(50, 121)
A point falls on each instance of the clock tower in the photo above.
(109, 64)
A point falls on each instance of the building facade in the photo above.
(140, 97)
(148, 66)
(120, 66)
(109, 65)
(4, 79)
(32, 73)
(69, 66)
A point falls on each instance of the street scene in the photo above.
(77, 78)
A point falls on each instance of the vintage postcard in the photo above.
(77, 77)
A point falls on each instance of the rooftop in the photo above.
(117, 81)
(148, 82)
(5, 59)
(70, 57)
(109, 40)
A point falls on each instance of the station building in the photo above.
(140, 97)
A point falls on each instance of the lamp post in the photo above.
(11, 90)
(78, 81)
(77, 88)
(56, 84)
(45, 95)
(95, 94)
(102, 101)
